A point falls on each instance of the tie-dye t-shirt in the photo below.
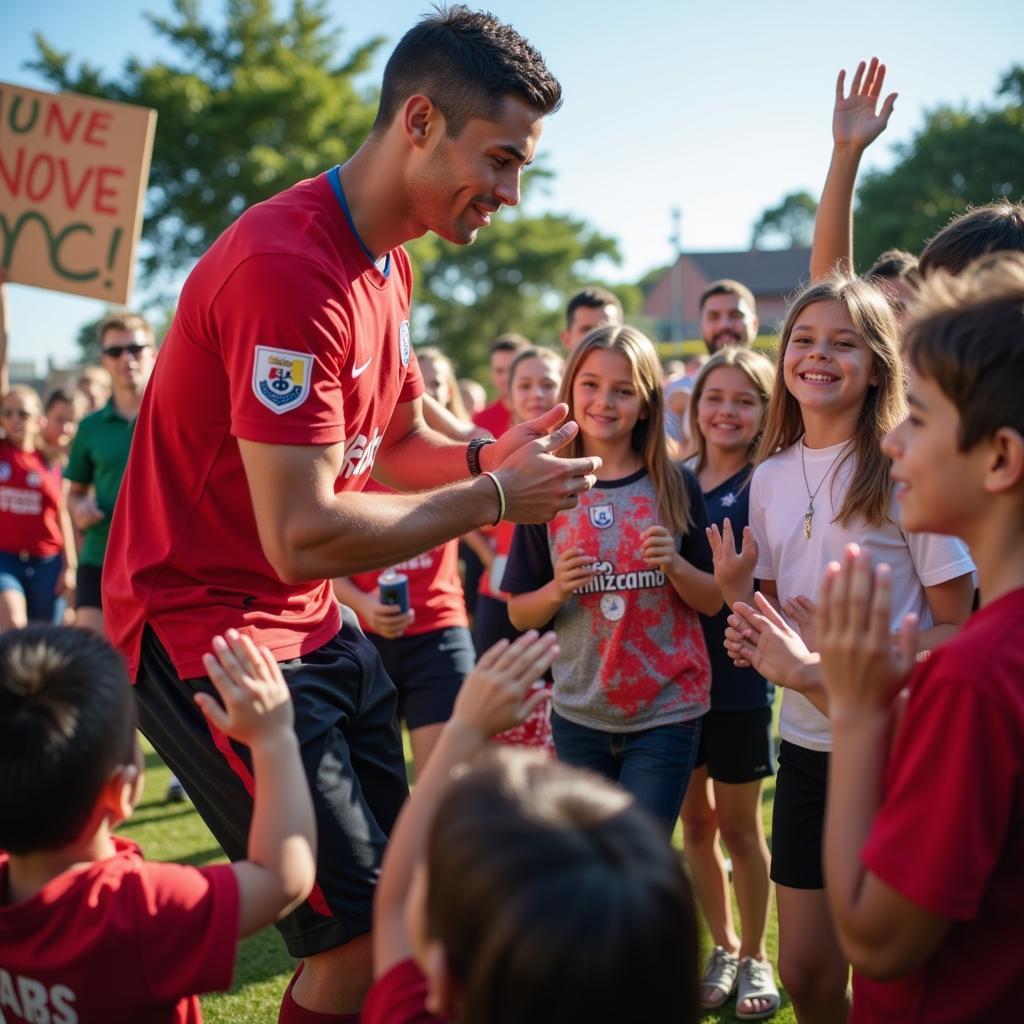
(633, 653)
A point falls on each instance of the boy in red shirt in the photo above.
(924, 838)
(89, 930)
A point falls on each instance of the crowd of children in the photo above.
(833, 521)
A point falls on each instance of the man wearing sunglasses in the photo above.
(99, 452)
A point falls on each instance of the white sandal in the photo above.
(756, 980)
(720, 974)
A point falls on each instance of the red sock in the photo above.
(292, 1013)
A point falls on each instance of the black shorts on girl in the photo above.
(798, 818)
(737, 745)
(427, 671)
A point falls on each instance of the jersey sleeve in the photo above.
(938, 559)
(529, 561)
(284, 335)
(188, 928)
(693, 545)
(412, 386)
(764, 570)
(80, 469)
(949, 797)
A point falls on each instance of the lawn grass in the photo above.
(174, 832)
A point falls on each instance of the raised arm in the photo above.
(855, 125)
(5, 383)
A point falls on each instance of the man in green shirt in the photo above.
(99, 453)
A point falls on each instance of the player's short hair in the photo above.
(467, 62)
(997, 227)
(509, 342)
(966, 333)
(592, 297)
(895, 265)
(67, 719)
(124, 321)
(727, 286)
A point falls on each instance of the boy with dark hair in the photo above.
(924, 844)
(997, 227)
(88, 929)
(588, 309)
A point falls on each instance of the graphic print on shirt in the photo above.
(650, 648)
(281, 377)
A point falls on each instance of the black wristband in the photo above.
(473, 453)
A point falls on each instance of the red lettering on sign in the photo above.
(98, 122)
(102, 191)
(55, 116)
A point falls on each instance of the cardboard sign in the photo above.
(73, 173)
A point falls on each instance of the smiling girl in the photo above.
(623, 577)
(822, 482)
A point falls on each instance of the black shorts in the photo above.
(798, 818)
(428, 670)
(88, 592)
(737, 745)
(352, 751)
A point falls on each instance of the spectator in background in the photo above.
(589, 308)
(497, 417)
(474, 397)
(728, 315)
(100, 452)
(94, 386)
(439, 381)
(61, 413)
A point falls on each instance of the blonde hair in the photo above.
(648, 438)
(761, 374)
(455, 406)
(884, 408)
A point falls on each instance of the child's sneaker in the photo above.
(175, 792)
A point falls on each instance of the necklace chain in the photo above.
(811, 495)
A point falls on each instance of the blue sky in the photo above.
(719, 109)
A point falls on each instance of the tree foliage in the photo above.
(245, 110)
(959, 158)
(790, 225)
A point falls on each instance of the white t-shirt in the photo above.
(778, 501)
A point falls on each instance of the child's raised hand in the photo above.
(854, 120)
(493, 696)
(573, 569)
(734, 570)
(658, 548)
(862, 669)
(255, 700)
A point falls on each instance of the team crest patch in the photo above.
(404, 343)
(281, 378)
(601, 516)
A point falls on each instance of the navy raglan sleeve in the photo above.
(529, 561)
(693, 545)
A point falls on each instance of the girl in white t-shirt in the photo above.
(822, 482)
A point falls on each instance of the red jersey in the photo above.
(500, 537)
(119, 941)
(399, 996)
(949, 835)
(30, 502)
(286, 333)
(497, 418)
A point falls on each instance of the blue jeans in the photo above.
(652, 764)
(36, 578)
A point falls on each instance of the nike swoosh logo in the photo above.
(357, 370)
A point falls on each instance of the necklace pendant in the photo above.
(808, 516)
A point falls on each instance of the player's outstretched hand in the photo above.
(493, 697)
(254, 700)
(537, 484)
(862, 669)
(855, 122)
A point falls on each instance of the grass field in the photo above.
(175, 832)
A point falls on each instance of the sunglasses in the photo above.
(116, 351)
(22, 414)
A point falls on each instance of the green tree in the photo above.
(790, 225)
(244, 111)
(961, 157)
(516, 276)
